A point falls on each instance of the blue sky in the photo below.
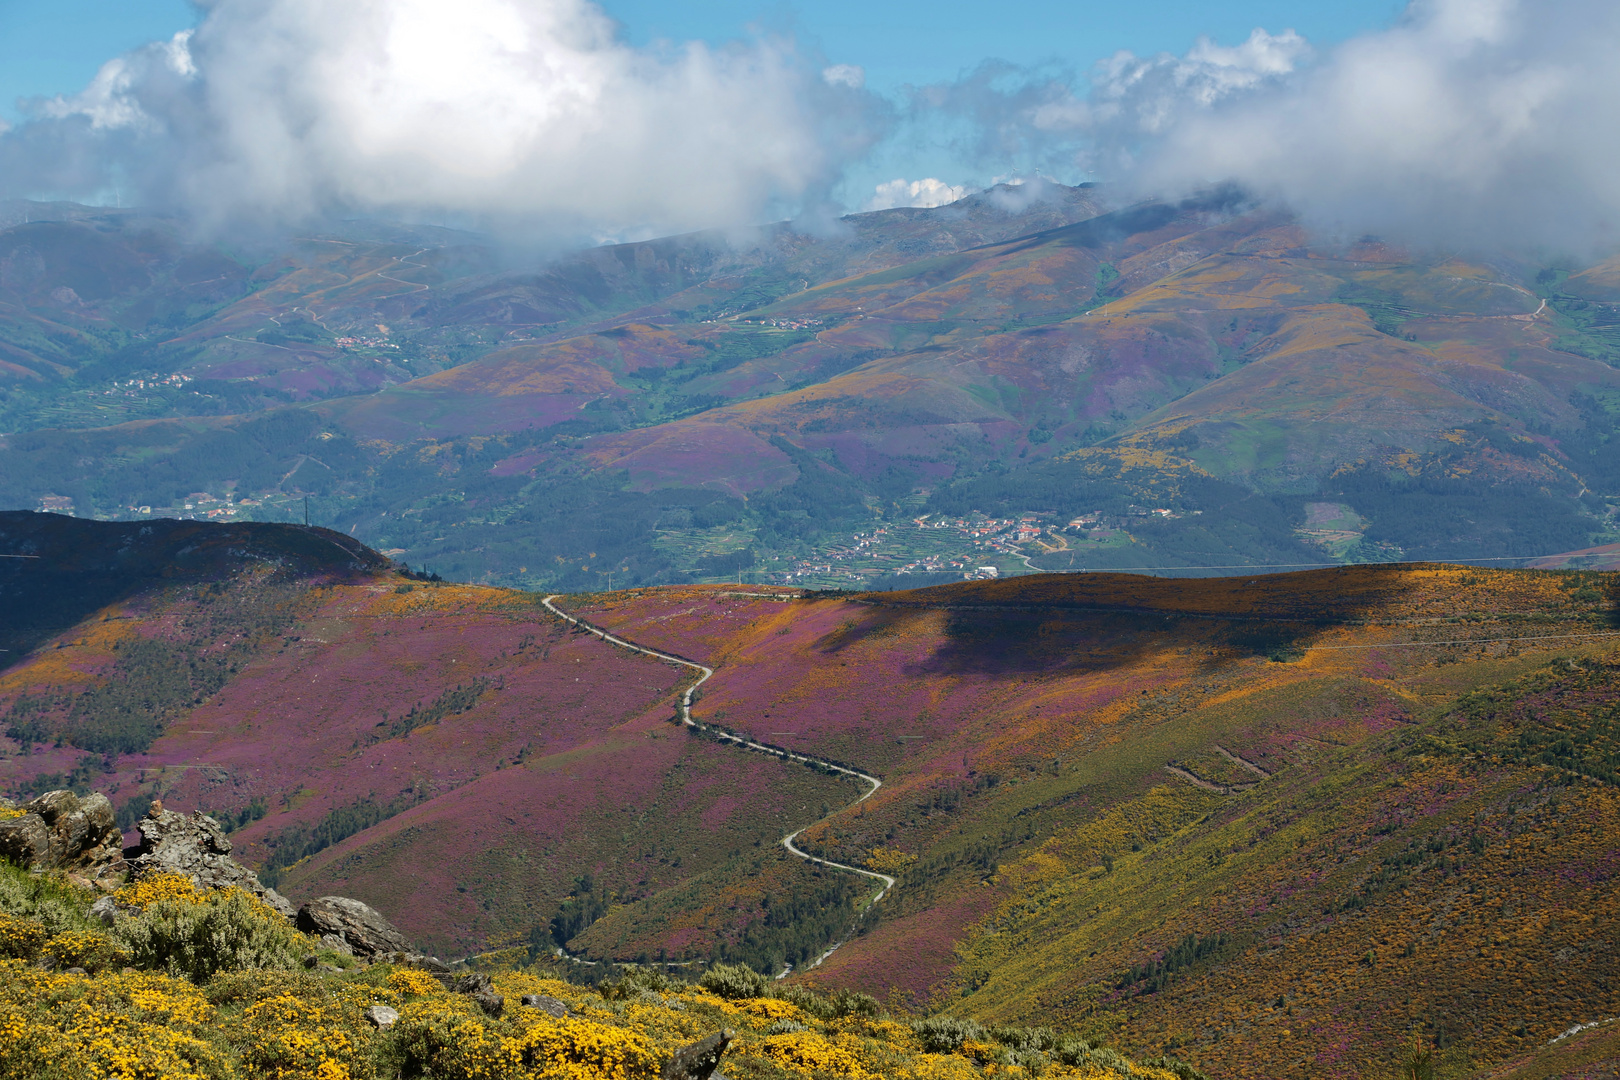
(55, 46)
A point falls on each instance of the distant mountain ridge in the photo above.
(1021, 351)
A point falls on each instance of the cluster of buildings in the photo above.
(1098, 521)
(131, 387)
(364, 343)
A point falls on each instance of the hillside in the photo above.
(449, 753)
(1197, 385)
(1259, 823)
(1271, 824)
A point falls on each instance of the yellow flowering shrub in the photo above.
(771, 1009)
(9, 812)
(412, 981)
(303, 1037)
(570, 1049)
(810, 1052)
(888, 860)
(88, 949)
(20, 938)
(129, 1027)
(155, 887)
(221, 1010)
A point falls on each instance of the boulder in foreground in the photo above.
(360, 927)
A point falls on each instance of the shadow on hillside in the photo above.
(73, 569)
(1077, 623)
(1614, 605)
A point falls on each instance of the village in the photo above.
(973, 547)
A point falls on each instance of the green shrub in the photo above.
(1024, 1040)
(225, 931)
(48, 899)
(1101, 1057)
(1073, 1049)
(784, 1027)
(733, 981)
(1176, 1066)
(854, 1003)
(946, 1034)
(635, 980)
(808, 1000)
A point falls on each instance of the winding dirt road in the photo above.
(684, 708)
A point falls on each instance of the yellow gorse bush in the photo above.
(297, 1037)
(151, 889)
(20, 938)
(88, 949)
(889, 860)
(810, 1052)
(412, 981)
(132, 1026)
(229, 1007)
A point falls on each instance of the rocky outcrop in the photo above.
(196, 847)
(478, 986)
(701, 1060)
(358, 928)
(547, 1004)
(62, 831)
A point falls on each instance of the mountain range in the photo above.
(1040, 380)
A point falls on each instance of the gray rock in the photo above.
(196, 847)
(430, 964)
(336, 944)
(381, 1016)
(477, 986)
(546, 1004)
(61, 831)
(104, 911)
(361, 927)
(701, 1060)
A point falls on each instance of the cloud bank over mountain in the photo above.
(1468, 121)
(924, 193)
(528, 109)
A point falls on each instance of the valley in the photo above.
(1258, 823)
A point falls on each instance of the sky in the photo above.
(1440, 121)
(50, 47)
(55, 47)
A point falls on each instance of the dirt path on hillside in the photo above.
(684, 710)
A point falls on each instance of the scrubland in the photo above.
(212, 986)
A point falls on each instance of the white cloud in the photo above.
(1470, 120)
(530, 109)
(920, 193)
(850, 75)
